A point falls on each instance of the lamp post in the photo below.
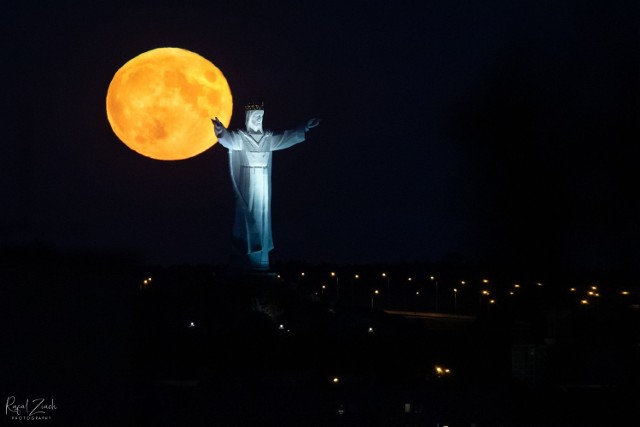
(435, 280)
(455, 300)
(333, 274)
(373, 296)
(384, 276)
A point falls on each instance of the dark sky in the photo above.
(503, 132)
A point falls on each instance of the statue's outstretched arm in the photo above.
(311, 124)
(218, 127)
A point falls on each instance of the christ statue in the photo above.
(250, 164)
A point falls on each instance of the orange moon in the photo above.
(160, 103)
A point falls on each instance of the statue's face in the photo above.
(254, 120)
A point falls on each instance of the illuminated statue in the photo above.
(250, 163)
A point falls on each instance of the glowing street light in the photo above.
(333, 274)
(145, 283)
(455, 300)
(440, 371)
(384, 276)
(376, 292)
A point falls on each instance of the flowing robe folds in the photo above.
(250, 164)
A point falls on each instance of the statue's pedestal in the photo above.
(253, 276)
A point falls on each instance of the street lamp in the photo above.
(376, 292)
(435, 280)
(384, 276)
(455, 300)
(333, 274)
(145, 283)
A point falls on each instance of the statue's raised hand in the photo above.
(218, 127)
(311, 124)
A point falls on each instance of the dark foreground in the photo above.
(205, 347)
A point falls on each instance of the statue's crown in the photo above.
(254, 106)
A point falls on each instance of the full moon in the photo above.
(160, 103)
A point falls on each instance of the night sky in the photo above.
(498, 132)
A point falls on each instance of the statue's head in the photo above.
(253, 117)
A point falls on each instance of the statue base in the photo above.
(255, 263)
(247, 272)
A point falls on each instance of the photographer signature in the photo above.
(30, 408)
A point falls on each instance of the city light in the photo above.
(375, 292)
(145, 283)
(584, 302)
(441, 371)
(625, 292)
(335, 380)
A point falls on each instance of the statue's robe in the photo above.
(250, 164)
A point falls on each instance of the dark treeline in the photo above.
(202, 344)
